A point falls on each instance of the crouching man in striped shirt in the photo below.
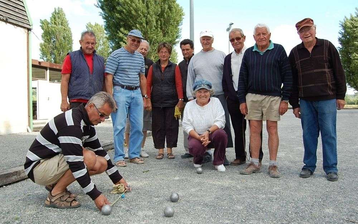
(67, 149)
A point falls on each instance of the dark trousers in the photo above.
(218, 141)
(239, 124)
(227, 128)
(164, 127)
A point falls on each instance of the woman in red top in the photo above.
(164, 89)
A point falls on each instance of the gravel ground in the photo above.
(211, 197)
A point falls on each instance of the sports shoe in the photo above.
(186, 156)
(305, 173)
(220, 168)
(144, 154)
(197, 165)
(273, 171)
(207, 158)
(332, 176)
(251, 168)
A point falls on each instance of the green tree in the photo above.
(158, 20)
(56, 36)
(102, 46)
(349, 48)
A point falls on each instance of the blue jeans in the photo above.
(128, 102)
(319, 116)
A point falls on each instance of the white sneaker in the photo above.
(144, 154)
(220, 168)
(197, 165)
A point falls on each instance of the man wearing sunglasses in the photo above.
(125, 79)
(230, 83)
(67, 149)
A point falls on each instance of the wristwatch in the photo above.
(181, 99)
(208, 131)
(145, 96)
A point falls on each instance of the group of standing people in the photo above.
(253, 84)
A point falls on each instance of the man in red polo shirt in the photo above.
(82, 73)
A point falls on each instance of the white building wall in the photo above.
(48, 99)
(13, 78)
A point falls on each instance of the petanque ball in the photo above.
(199, 170)
(106, 210)
(174, 197)
(168, 212)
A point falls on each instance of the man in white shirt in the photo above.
(230, 82)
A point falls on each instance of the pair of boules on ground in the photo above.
(169, 211)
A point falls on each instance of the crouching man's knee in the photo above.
(95, 164)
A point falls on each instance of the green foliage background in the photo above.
(158, 20)
(56, 36)
(349, 48)
(102, 46)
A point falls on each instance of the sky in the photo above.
(279, 15)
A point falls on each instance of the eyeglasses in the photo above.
(236, 38)
(102, 115)
(135, 40)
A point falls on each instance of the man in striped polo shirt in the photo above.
(67, 149)
(265, 83)
(125, 79)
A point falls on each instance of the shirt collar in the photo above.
(318, 43)
(270, 47)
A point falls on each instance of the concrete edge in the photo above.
(17, 174)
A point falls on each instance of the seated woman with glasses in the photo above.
(204, 120)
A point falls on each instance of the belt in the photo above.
(127, 87)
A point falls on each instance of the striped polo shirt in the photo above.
(125, 67)
(66, 134)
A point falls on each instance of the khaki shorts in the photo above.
(49, 171)
(262, 107)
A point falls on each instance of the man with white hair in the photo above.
(230, 82)
(265, 83)
(208, 64)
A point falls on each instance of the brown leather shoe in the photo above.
(238, 162)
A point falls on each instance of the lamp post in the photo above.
(192, 20)
(228, 30)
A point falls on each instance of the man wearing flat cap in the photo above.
(125, 78)
(319, 88)
(208, 64)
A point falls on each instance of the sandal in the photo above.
(136, 160)
(160, 156)
(62, 201)
(121, 163)
(170, 156)
(50, 187)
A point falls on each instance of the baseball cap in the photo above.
(135, 33)
(202, 84)
(304, 23)
(206, 33)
